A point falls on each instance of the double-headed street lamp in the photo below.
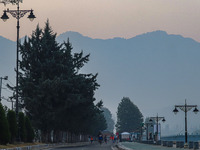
(185, 108)
(17, 14)
(2, 78)
(157, 119)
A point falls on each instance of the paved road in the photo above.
(93, 146)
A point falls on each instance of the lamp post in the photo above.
(17, 14)
(157, 119)
(2, 78)
(185, 108)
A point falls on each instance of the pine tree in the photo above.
(109, 120)
(11, 116)
(29, 130)
(129, 117)
(4, 127)
(21, 127)
(55, 95)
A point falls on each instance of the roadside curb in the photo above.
(68, 145)
(121, 147)
(48, 146)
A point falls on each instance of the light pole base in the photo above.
(185, 145)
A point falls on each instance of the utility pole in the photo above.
(2, 78)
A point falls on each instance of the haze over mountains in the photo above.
(155, 70)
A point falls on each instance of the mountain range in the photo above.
(156, 70)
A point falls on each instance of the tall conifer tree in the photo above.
(53, 92)
(129, 117)
(109, 120)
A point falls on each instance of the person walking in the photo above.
(91, 139)
(100, 139)
(105, 139)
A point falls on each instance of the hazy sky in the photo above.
(109, 18)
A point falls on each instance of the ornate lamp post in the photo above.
(185, 108)
(157, 119)
(17, 14)
(2, 78)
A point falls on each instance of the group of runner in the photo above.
(114, 138)
(101, 138)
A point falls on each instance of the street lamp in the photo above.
(2, 78)
(17, 14)
(157, 119)
(185, 108)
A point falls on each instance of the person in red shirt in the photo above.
(91, 139)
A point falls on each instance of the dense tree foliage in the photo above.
(99, 124)
(56, 97)
(21, 127)
(109, 120)
(129, 117)
(29, 130)
(4, 127)
(12, 121)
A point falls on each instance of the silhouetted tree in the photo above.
(29, 130)
(11, 116)
(54, 94)
(4, 127)
(109, 120)
(21, 127)
(129, 117)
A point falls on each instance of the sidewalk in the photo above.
(140, 146)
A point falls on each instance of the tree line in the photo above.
(10, 130)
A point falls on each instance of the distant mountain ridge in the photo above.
(155, 69)
(7, 56)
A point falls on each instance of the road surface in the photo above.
(140, 146)
(93, 146)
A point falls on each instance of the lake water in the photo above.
(192, 138)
